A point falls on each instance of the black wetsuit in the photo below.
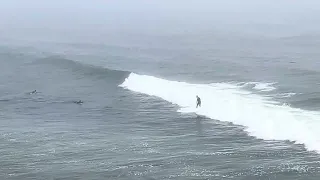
(78, 102)
(198, 102)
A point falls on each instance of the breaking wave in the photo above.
(262, 117)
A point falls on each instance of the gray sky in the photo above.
(154, 16)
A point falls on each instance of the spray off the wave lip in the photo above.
(263, 117)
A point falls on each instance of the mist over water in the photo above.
(137, 67)
(97, 20)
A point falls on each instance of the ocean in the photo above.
(259, 118)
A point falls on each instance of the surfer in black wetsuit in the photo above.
(33, 92)
(198, 102)
(78, 102)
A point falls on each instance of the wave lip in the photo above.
(262, 117)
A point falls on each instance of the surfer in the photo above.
(198, 102)
(33, 92)
(78, 102)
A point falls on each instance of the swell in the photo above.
(83, 70)
(27, 56)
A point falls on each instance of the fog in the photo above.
(44, 19)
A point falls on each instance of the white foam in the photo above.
(287, 95)
(262, 86)
(264, 118)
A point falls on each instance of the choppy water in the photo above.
(259, 118)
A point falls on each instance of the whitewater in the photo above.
(261, 116)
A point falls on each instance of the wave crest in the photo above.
(263, 117)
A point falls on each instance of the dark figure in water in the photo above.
(33, 92)
(78, 102)
(198, 102)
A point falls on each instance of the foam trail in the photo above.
(263, 117)
(262, 86)
(286, 95)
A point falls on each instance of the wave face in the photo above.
(83, 70)
(262, 117)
